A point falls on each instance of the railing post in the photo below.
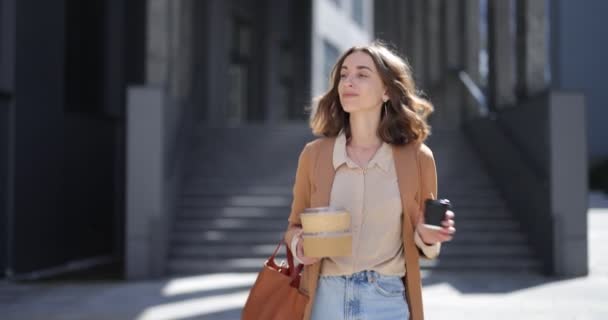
(145, 173)
(568, 182)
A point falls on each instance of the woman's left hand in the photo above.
(432, 234)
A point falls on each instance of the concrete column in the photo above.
(450, 110)
(396, 24)
(385, 24)
(199, 59)
(301, 54)
(157, 52)
(276, 109)
(470, 51)
(454, 36)
(531, 47)
(500, 44)
(170, 47)
(393, 23)
(433, 40)
(379, 21)
(180, 49)
(418, 50)
(471, 39)
(217, 60)
(402, 8)
(405, 8)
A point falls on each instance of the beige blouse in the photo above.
(372, 197)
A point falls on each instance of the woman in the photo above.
(370, 160)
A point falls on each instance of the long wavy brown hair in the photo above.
(404, 119)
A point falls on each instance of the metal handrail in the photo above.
(475, 92)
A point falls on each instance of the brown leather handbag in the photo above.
(275, 294)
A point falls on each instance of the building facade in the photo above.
(98, 101)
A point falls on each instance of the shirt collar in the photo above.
(383, 157)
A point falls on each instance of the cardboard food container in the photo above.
(325, 219)
(328, 244)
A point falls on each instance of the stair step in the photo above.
(282, 213)
(226, 194)
(230, 225)
(228, 250)
(482, 213)
(185, 267)
(261, 237)
(214, 237)
(225, 223)
(234, 212)
(202, 188)
(246, 205)
(484, 264)
(265, 250)
(194, 266)
(491, 237)
(238, 200)
(445, 185)
(279, 224)
(480, 249)
(274, 200)
(276, 224)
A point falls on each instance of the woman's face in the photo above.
(360, 87)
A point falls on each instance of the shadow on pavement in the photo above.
(213, 296)
(486, 282)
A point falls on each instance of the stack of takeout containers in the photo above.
(326, 232)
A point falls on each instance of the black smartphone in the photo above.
(435, 210)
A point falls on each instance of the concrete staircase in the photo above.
(488, 237)
(237, 195)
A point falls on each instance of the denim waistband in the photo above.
(365, 275)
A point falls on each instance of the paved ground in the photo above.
(219, 297)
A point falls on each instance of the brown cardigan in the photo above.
(417, 178)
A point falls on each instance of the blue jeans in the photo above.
(366, 295)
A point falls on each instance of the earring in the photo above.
(385, 103)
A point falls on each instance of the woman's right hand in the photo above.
(300, 251)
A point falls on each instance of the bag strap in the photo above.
(293, 271)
